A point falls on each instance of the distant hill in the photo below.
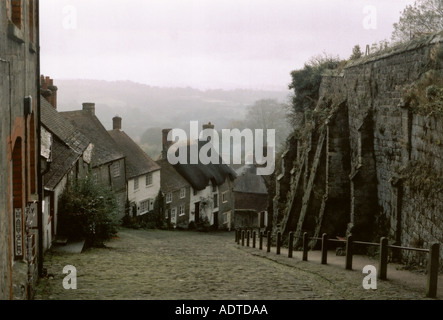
(143, 107)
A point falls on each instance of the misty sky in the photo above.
(204, 44)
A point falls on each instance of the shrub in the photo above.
(88, 211)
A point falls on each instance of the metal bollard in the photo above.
(324, 249)
(253, 239)
(431, 288)
(383, 262)
(243, 238)
(268, 244)
(305, 246)
(278, 242)
(291, 244)
(349, 253)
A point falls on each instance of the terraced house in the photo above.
(142, 173)
(66, 156)
(108, 162)
(21, 189)
(208, 186)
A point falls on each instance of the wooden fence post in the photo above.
(253, 238)
(383, 264)
(291, 244)
(278, 242)
(268, 244)
(349, 252)
(305, 246)
(248, 237)
(261, 240)
(243, 238)
(434, 253)
(324, 249)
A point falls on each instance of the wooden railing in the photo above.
(433, 252)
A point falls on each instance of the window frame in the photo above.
(116, 169)
(169, 197)
(182, 193)
(181, 211)
(144, 204)
(149, 179)
(224, 197)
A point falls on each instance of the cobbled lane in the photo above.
(184, 265)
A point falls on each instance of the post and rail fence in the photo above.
(349, 242)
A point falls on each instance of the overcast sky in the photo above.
(204, 44)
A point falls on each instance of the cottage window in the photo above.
(182, 211)
(169, 197)
(182, 193)
(149, 179)
(144, 207)
(225, 216)
(136, 184)
(166, 214)
(116, 169)
(216, 200)
(225, 197)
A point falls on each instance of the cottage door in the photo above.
(197, 212)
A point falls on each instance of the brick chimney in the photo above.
(117, 123)
(48, 90)
(165, 143)
(90, 107)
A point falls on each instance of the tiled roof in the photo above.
(201, 175)
(61, 128)
(249, 182)
(63, 158)
(171, 180)
(137, 161)
(67, 147)
(105, 149)
(250, 201)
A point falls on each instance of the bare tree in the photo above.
(425, 16)
(269, 114)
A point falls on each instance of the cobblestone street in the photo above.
(175, 265)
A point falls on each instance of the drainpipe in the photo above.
(39, 179)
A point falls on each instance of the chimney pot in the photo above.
(89, 107)
(117, 123)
